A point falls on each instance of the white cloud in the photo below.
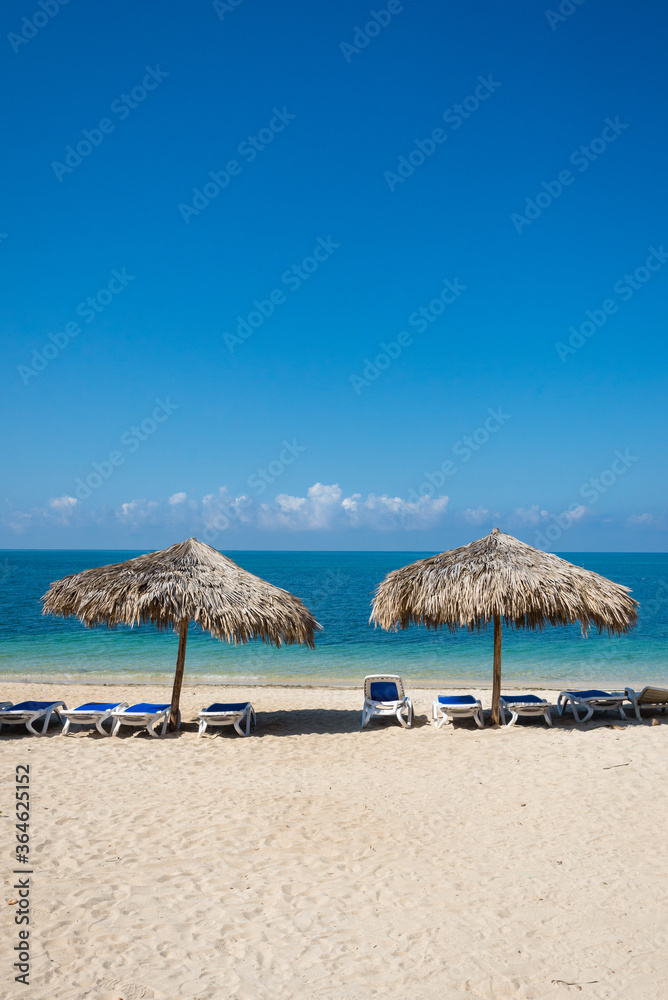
(63, 503)
(530, 515)
(288, 504)
(325, 507)
(177, 498)
(63, 507)
(537, 515)
(137, 513)
(19, 521)
(476, 515)
(318, 510)
(648, 521)
(643, 519)
(218, 510)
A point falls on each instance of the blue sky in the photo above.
(303, 277)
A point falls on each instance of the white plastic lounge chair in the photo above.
(143, 714)
(384, 695)
(447, 708)
(649, 697)
(29, 712)
(235, 714)
(525, 705)
(93, 713)
(591, 701)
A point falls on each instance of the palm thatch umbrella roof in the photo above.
(500, 579)
(189, 581)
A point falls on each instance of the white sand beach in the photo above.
(314, 860)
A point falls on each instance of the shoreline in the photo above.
(416, 685)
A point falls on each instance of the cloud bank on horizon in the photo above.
(324, 508)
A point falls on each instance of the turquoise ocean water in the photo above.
(337, 587)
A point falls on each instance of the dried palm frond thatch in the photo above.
(500, 579)
(190, 581)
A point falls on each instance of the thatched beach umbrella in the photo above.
(190, 581)
(500, 579)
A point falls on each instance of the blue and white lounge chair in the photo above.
(525, 705)
(590, 702)
(649, 697)
(384, 695)
(449, 707)
(143, 714)
(4, 705)
(93, 713)
(28, 712)
(235, 714)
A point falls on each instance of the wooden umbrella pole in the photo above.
(178, 676)
(496, 682)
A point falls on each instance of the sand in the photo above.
(314, 860)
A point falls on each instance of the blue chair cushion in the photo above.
(457, 699)
(97, 706)
(590, 694)
(145, 708)
(383, 691)
(32, 706)
(523, 699)
(237, 706)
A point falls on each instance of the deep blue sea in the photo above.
(338, 588)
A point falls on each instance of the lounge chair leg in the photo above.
(548, 718)
(202, 728)
(66, 727)
(633, 698)
(237, 724)
(586, 717)
(31, 728)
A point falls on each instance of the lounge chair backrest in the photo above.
(384, 687)
(97, 706)
(31, 706)
(145, 707)
(653, 696)
(457, 699)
